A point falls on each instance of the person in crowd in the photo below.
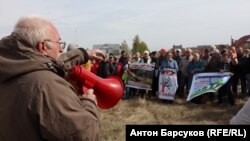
(98, 56)
(246, 54)
(178, 58)
(123, 61)
(153, 56)
(95, 65)
(206, 57)
(90, 65)
(225, 66)
(239, 76)
(111, 64)
(184, 75)
(115, 63)
(131, 92)
(127, 94)
(162, 56)
(194, 67)
(243, 115)
(37, 103)
(105, 68)
(213, 66)
(169, 65)
(137, 57)
(145, 59)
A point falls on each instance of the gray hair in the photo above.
(197, 54)
(33, 29)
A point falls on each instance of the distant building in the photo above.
(115, 49)
(242, 42)
(177, 47)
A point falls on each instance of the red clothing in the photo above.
(95, 67)
(119, 70)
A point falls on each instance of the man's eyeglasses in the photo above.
(62, 44)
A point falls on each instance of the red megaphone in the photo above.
(108, 91)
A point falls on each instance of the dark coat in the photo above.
(36, 103)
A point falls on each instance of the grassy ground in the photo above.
(154, 111)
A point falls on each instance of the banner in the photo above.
(207, 82)
(167, 85)
(140, 75)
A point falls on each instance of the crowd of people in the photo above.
(185, 63)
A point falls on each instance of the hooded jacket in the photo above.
(36, 102)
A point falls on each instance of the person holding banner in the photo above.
(168, 67)
(153, 56)
(193, 67)
(213, 66)
(169, 64)
(145, 59)
(130, 92)
(225, 66)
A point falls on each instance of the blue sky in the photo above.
(159, 23)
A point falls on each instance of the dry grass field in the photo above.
(154, 111)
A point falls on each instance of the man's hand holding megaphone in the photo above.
(89, 95)
(108, 91)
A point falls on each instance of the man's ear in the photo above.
(41, 47)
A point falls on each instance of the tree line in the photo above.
(137, 45)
